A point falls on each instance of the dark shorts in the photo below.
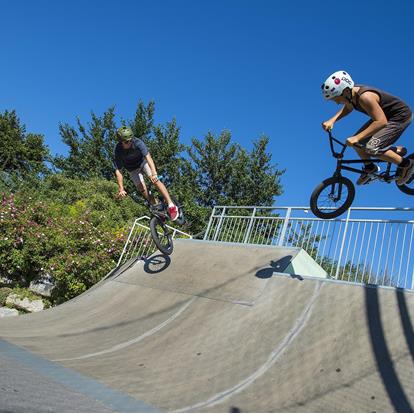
(382, 140)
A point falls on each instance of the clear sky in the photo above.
(252, 67)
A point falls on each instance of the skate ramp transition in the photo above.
(214, 328)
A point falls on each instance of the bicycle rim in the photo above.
(332, 197)
(161, 235)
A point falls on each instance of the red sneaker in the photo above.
(173, 211)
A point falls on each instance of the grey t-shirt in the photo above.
(131, 158)
(394, 108)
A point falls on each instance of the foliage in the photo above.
(21, 154)
(4, 292)
(90, 148)
(227, 174)
(66, 229)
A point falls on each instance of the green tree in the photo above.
(214, 162)
(21, 154)
(90, 147)
(227, 174)
(255, 180)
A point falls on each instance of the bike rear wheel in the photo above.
(332, 197)
(161, 235)
(408, 187)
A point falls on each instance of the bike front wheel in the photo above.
(332, 197)
(161, 235)
(408, 187)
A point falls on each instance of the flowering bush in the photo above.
(77, 243)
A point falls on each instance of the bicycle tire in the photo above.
(317, 209)
(405, 188)
(158, 237)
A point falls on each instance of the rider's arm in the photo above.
(370, 102)
(120, 180)
(151, 164)
(342, 113)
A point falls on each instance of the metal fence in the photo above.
(368, 245)
(139, 244)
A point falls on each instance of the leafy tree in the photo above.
(90, 147)
(214, 163)
(227, 174)
(21, 154)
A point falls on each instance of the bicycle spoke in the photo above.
(326, 198)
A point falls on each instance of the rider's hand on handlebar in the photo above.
(122, 194)
(327, 125)
(351, 141)
(154, 178)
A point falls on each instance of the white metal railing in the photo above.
(139, 243)
(365, 246)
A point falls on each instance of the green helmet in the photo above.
(124, 133)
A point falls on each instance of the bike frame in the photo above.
(342, 163)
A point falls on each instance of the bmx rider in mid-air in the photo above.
(132, 154)
(390, 116)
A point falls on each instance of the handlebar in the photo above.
(331, 141)
(339, 154)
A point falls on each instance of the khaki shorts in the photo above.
(382, 140)
(137, 175)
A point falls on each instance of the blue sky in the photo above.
(251, 67)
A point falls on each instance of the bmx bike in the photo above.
(334, 195)
(161, 233)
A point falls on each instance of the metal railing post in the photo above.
(249, 228)
(412, 277)
(209, 223)
(126, 244)
(219, 224)
(285, 226)
(343, 243)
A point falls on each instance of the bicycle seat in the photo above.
(401, 151)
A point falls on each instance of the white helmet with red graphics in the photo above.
(336, 84)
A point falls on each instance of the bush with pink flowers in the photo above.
(74, 236)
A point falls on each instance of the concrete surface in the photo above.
(218, 328)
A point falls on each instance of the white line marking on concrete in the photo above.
(273, 357)
(134, 340)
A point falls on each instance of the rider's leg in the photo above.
(391, 156)
(369, 167)
(160, 186)
(139, 182)
(380, 143)
(172, 208)
(363, 155)
(146, 194)
(164, 192)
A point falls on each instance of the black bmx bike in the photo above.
(161, 232)
(333, 196)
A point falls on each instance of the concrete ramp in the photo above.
(218, 328)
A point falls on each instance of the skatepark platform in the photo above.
(216, 327)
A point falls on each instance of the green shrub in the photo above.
(4, 292)
(72, 229)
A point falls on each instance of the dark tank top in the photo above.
(394, 108)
